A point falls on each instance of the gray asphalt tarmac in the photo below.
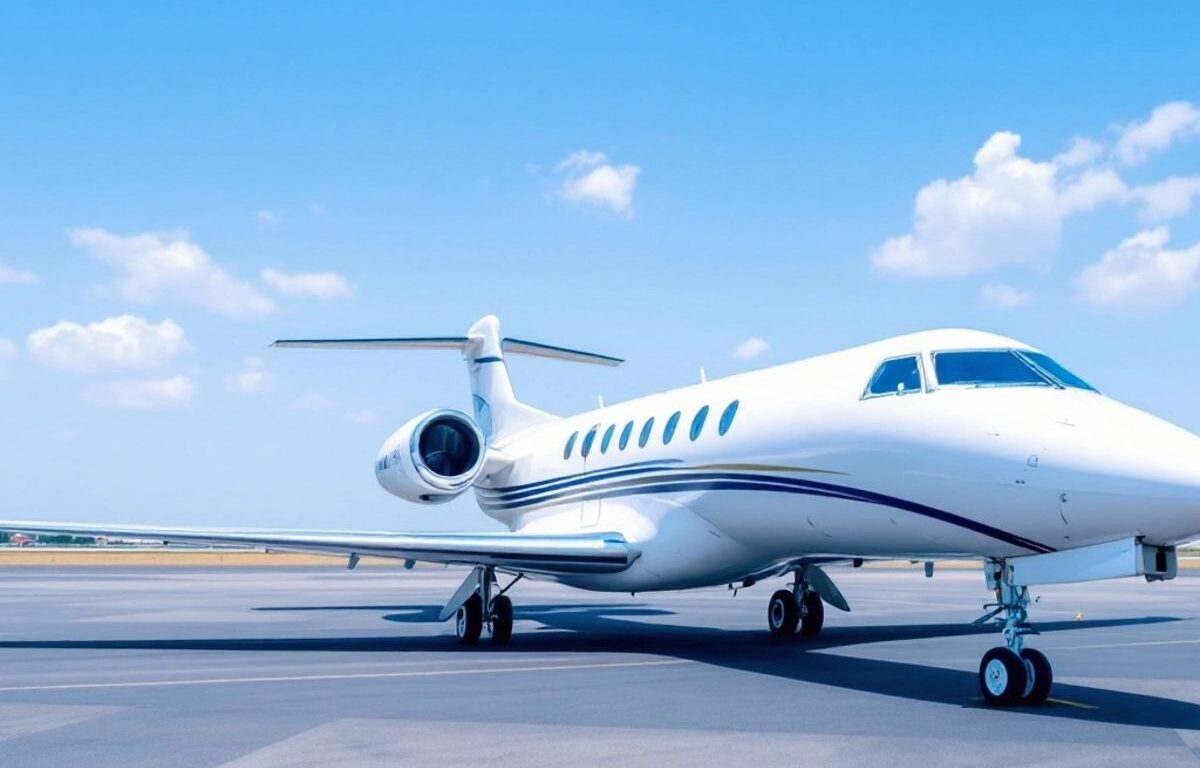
(315, 667)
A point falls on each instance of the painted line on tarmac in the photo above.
(1123, 645)
(1063, 702)
(1076, 704)
(348, 676)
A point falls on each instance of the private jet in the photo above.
(935, 445)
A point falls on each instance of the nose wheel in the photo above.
(1012, 674)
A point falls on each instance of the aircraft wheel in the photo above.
(814, 615)
(502, 620)
(1041, 677)
(468, 622)
(1002, 677)
(782, 614)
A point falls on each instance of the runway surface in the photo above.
(315, 667)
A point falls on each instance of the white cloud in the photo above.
(311, 402)
(1167, 198)
(1081, 151)
(155, 266)
(581, 158)
(590, 178)
(1005, 296)
(10, 276)
(1166, 124)
(144, 395)
(1010, 210)
(1141, 273)
(362, 417)
(751, 348)
(268, 218)
(122, 342)
(319, 285)
(251, 380)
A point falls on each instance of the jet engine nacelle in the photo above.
(432, 458)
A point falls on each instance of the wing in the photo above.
(543, 554)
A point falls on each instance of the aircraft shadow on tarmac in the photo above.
(612, 628)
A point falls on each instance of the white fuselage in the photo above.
(809, 467)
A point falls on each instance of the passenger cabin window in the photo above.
(898, 376)
(608, 433)
(727, 418)
(987, 368)
(625, 433)
(669, 429)
(698, 423)
(570, 445)
(644, 437)
(588, 439)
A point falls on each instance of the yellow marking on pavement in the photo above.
(1064, 702)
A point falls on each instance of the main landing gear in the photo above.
(800, 607)
(1012, 674)
(483, 608)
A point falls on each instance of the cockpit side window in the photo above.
(1051, 366)
(898, 376)
(987, 368)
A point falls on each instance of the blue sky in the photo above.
(182, 183)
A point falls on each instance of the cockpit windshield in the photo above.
(986, 368)
(1003, 368)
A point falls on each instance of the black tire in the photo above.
(1037, 666)
(1002, 677)
(468, 622)
(502, 620)
(782, 614)
(813, 615)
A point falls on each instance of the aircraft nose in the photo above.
(1150, 464)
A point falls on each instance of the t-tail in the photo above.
(497, 410)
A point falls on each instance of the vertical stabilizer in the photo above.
(496, 406)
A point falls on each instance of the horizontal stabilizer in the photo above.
(412, 342)
(461, 343)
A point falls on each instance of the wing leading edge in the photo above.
(543, 554)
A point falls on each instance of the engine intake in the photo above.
(432, 458)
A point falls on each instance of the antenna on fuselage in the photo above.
(703, 376)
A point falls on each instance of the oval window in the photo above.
(625, 433)
(588, 439)
(727, 418)
(604, 441)
(698, 422)
(570, 445)
(644, 437)
(669, 429)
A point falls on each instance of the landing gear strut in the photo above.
(485, 607)
(798, 607)
(1012, 674)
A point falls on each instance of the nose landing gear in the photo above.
(1012, 674)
